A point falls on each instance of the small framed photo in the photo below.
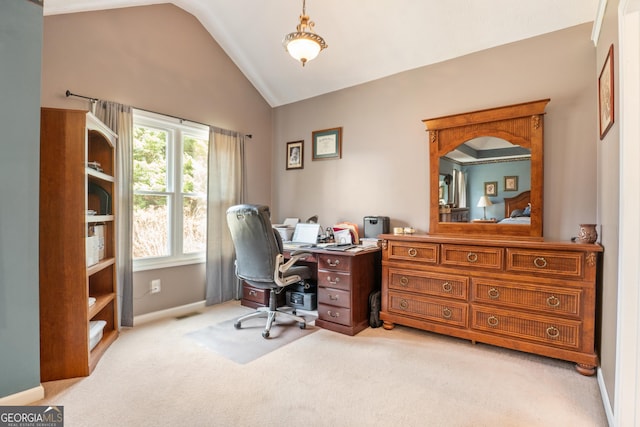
(491, 188)
(510, 183)
(605, 94)
(327, 144)
(295, 158)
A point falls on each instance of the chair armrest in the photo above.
(294, 257)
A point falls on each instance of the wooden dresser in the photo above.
(532, 296)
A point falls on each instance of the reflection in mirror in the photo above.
(465, 170)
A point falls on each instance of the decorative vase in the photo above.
(588, 233)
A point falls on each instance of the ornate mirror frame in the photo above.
(520, 124)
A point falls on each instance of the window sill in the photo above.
(156, 264)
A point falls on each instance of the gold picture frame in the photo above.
(491, 188)
(295, 155)
(510, 183)
(605, 95)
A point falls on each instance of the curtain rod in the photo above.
(68, 93)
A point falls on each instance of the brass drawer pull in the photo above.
(493, 293)
(333, 297)
(447, 313)
(540, 262)
(333, 282)
(253, 293)
(553, 332)
(333, 313)
(447, 287)
(404, 281)
(553, 301)
(333, 263)
(472, 257)
(492, 321)
(412, 252)
(404, 304)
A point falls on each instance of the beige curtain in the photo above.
(225, 189)
(120, 119)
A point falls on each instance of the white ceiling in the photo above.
(367, 40)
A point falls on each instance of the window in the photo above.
(169, 191)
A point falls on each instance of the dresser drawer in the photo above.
(334, 314)
(473, 256)
(332, 279)
(337, 297)
(410, 251)
(551, 300)
(565, 263)
(334, 262)
(432, 309)
(444, 285)
(546, 330)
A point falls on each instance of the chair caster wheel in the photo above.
(265, 334)
(237, 325)
(302, 325)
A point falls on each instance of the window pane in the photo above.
(150, 226)
(194, 238)
(194, 165)
(149, 159)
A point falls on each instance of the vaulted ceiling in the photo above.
(367, 40)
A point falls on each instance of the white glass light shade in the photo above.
(303, 46)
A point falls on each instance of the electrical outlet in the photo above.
(155, 286)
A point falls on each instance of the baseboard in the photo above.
(25, 397)
(169, 312)
(605, 399)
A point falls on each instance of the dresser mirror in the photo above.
(486, 172)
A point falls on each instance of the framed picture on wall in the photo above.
(327, 144)
(605, 95)
(510, 183)
(491, 188)
(295, 158)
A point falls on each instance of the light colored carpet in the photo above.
(247, 344)
(154, 375)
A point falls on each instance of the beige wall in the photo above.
(158, 58)
(384, 165)
(608, 205)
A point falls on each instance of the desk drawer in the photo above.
(444, 285)
(565, 263)
(334, 262)
(331, 279)
(334, 314)
(438, 310)
(546, 330)
(337, 297)
(546, 299)
(473, 256)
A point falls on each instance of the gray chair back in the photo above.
(256, 242)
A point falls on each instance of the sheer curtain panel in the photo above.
(225, 189)
(120, 119)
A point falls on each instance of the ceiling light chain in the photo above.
(304, 44)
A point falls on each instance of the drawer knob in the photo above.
(494, 293)
(472, 257)
(404, 281)
(333, 282)
(492, 321)
(333, 297)
(333, 313)
(253, 293)
(553, 301)
(553, 332)
(447, 313)
(447, 287)
(404, 304)
(333, 263)
(540, 262)
(412, 252)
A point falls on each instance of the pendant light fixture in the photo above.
(304, 44)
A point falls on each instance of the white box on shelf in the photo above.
(96, 328)
(93, 251)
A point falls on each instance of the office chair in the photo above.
(259, 261)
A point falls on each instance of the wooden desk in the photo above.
(345, 280)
